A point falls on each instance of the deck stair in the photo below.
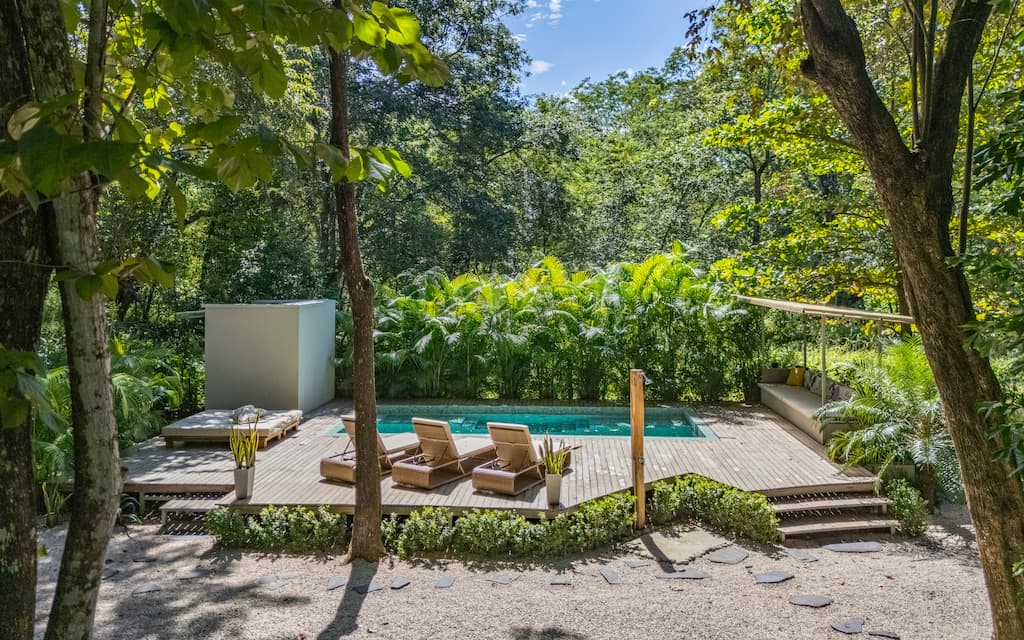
(831, 513)
(194, 505)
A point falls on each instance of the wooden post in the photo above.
(636, 431)
(878, 340)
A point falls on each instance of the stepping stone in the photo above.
(400, 583)
(561, 580)
(288, 575)
(683, 548)
(504, 579)
(884, 634)
(443, 582)
(773, 577)
(729, 555)
(850, 626)
(143, 559)
(148, 587)
(636, 564)
(685, 574)
(369, 588)
(335, 582)
(611, 576)
(192, 573)
(854, 547)
(801, 555)
(110, 574)
(810, 600)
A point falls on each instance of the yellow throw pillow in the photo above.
(796, 377)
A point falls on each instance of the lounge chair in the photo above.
(215, 426)
(442, 458)
(342, 467)
(517, 467)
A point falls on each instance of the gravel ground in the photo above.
(932, 590)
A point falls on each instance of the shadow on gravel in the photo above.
(547, 633)
(344, 622)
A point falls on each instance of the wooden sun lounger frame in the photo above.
(341, 467)
(172, 440)
(415, 472)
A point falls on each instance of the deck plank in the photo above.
(756, 450)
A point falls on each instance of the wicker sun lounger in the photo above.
(517, 468)
(342, 467)
(442, 458)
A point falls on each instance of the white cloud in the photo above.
(519, 37)
(551, 12)
(538, 67)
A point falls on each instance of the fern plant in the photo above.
(899, 414)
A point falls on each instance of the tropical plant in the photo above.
(245, 441)
(899, 419)
(554, 459)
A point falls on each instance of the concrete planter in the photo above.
(553, 483)
(243, 482)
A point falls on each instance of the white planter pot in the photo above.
(243, 482)
(554, 486)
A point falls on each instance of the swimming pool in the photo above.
(677, 422)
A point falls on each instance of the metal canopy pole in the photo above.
(824, 348)
(878, 339)
(803, 339)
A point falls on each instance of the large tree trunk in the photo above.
(916, 191)
(94, 433)
(366, 536)
(24, 279)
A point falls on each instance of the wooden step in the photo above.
(864, 486)
(842, 524)
(194, 505)
(827, 503)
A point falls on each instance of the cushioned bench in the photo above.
(215, 426)
(798, 404)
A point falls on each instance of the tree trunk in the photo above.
(366, 536)
(916, 191)
(94, 433)
(24, 281)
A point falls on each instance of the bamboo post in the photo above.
(636, 432)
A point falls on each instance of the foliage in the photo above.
(714, 505)
(553, 459)
(908, 507)
(549, 333)
(54, 501)
(288, 529)
(490, 533)
(897, 410)
(245, 442)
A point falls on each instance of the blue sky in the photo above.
(570, 40)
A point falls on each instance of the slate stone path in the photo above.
(854, 547)
(147, 587)
(561, 580)
(801, 555)
(400, 583)
(810, 600)
(850, 626)
(729, 555)
(685, 574)
(611, 576)
(773, 577)
(336, 582)
(444, 582)
(884, 634)
(636, 564)
(504, 579)
(368, 588)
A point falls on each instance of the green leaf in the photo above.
(368, 30)
(43, 158)
(180, 202)
(406, 29)
(215, 132)
(22, 120)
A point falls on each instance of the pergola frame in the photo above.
(824, 312)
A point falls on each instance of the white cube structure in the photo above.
(275, 354)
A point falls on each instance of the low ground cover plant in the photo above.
(282, 529)
(715, 505)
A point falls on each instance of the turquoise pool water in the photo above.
(555, 421)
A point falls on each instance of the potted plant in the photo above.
(244, 441)
(555, 462)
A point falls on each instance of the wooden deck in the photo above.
(756, 450)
